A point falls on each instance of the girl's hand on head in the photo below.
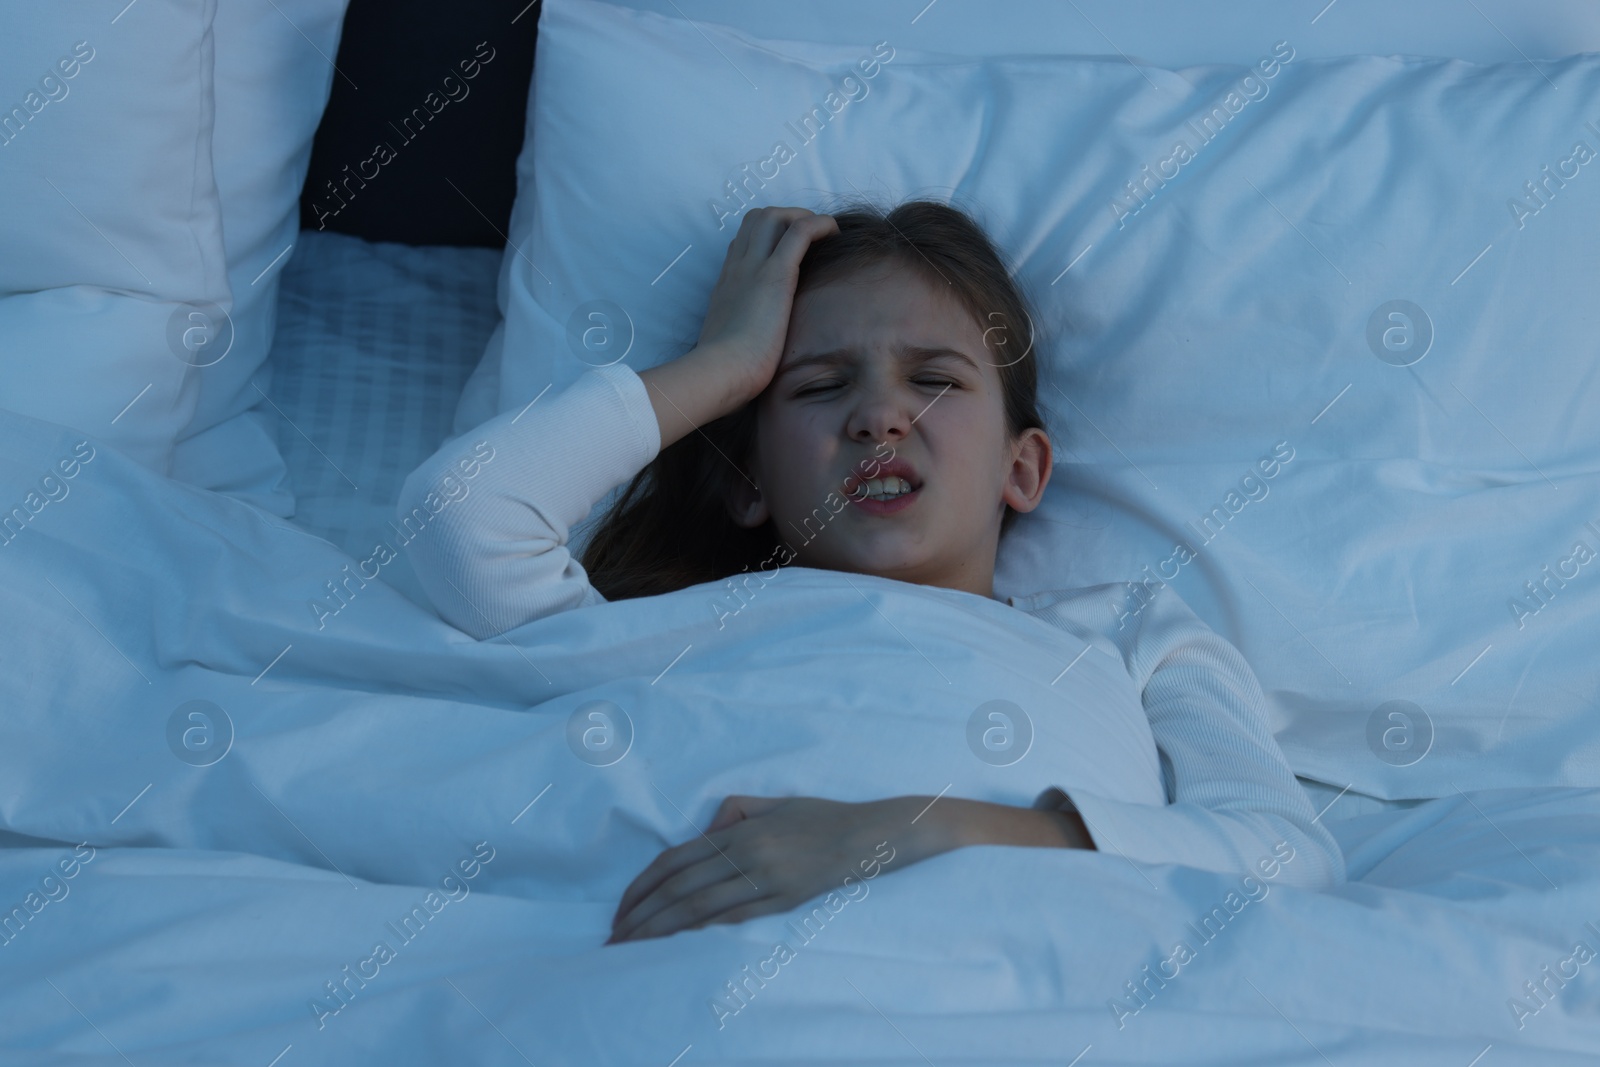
(747, 317)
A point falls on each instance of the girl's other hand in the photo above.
(763, 855)
(747, 317)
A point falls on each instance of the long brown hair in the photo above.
(670, 528)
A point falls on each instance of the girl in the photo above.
(884, 358)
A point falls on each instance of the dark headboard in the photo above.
(420, 138)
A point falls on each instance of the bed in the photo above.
(247, 768)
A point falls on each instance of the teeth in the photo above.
(886, 488)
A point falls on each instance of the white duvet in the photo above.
(234, 836)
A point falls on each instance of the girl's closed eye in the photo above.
(937, 383)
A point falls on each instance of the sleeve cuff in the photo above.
(1196, 837)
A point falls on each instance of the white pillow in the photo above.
(111, 222)
(1224, 341)
(274, 71)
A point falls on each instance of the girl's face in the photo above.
(906, 378)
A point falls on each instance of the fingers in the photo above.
(762, 228)
(736, 807)
(763, 906)
(690, 898)
(669, 891)
(691, 884)
(729, 812)
(664, 866)
(797, 239)
(756, 220)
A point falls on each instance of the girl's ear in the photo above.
(1030, 470)
(746, 505)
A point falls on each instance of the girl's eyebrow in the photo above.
(904, 352)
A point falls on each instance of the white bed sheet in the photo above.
(374, 341)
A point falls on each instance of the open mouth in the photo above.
(891, 487)
(885, 496)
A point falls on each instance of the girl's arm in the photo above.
(980, 822)
(485, 519)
